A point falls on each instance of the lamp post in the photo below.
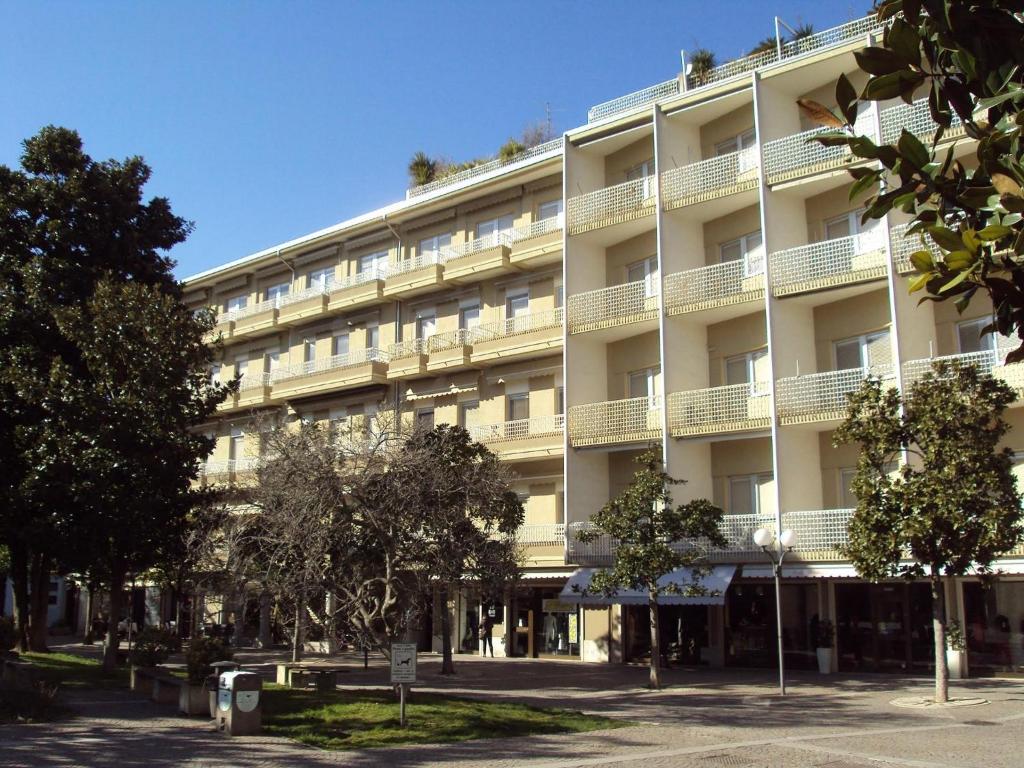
(787, 540)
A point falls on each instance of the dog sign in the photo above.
(403, 662)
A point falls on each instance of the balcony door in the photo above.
(340, 345)
(645, 171)
(867, 237)
(746, 144)
(426, 325)
(646, 383)
(277, 292)
(750, 368)
(469, 315)
(970, 340)
(645, 271)
(431, 248)
(237, 303)
(236, 444)
(870, 352)
(550, 210)
(321, 279)
(496, 230)
(749, 248)
(373, 264)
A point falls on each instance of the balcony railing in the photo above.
(445, 340)
(822, 396)
(419, 261)
(294, 297)
(716, 285)
(829, 263)
(633, 100)
(819, 533)
(623, 202)
(710, 179)
(904, 245)
(917, 119)
(989, 362)
(519, 429)
(635, 420)
(252, 309)
(254, 381)
(407, 348)
(228, 467)
(617, 305)
(311, 367)
(551, 533)
(717, 410)
(518, 326)
(792, 157)
(482, 168)
(361, 278)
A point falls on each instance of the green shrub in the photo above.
(8, 636)
(955, 640)
(202, 652)
(825, 634)
(153, 646)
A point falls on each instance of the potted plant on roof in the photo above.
(956, 650)
(202, 653)
(825, 633)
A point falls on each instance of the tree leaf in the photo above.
(946, 239)
(819, 113)
(892, 85)
(913, 150)
(846, 98)
(922, 261)
(918, 282)
(994, 232)
(878, 61)
(957, 279)
(1006, 185)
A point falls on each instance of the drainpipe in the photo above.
(398, 324)
(285, 262)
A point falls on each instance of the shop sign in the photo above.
(554, 605)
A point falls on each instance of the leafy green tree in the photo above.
(966, 58)
(953, 506)
(654, 537)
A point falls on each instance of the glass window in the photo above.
(970, 339)
(433, 245)
(273, 358)
(749, 368)
(559, 294)
(340, 344)
(517, 304)
(867, 351)
(468, 413)
(549, 210)
(275, 292)
(469, 316)
(643, 383)
(747, 492)
(559, 400)
(847, 498)
(744, 140)
(494, 227)
(425, 418)
(241, 366)
(425, 325)
(518, 407)
(215, 374)
(236, 446)
(640, 170)
(646, 271)
(321, 278)
(309, 350)
(372, 337)
(375, 263)
(749, 248)
(236, 303)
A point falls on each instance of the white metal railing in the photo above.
(407, 348)
(311, 292)
(619, 304)
(916, 118)
(671, 88)
(452, 252)
(254, 381)
(538, 533)
(537, 228)
(632, 100)
(904, 245)
(732, 408)
(822, 396)
(228, 466)
(519, 429)
(636, 419)
(310, 367)
(361, 278)
(829, 263)
(989, 362)
(799, 155)
(819, 532)
(731, 282)
(252, 309)
(710, 179)
(445, 340)
(487, 167)
(419, 261)
(611, 205)
(519, 325)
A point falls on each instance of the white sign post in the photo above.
(403, 671)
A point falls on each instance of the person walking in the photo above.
(486, 633)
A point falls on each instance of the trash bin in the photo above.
(239, 710)
(219, 667)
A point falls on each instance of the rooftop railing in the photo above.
(483, 168)
(519, 325)
(637, 419)
(710, 179)
(716, 285)
(829, 263)
(519, 429)
(617, 305)
(822, 396)
(611, 205)
(717, 410)
(311, 367)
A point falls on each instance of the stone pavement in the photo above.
(703, 719)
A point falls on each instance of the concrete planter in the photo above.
(193, 699)
(824, 660)
(142, 679)
(955, 663)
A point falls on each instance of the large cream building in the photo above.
(683, 270)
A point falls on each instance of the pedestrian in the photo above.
(486, 631)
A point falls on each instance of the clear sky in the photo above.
(263, 120)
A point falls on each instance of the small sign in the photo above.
(573, 628)
(247, 700)
(554, 605)
(403, 662)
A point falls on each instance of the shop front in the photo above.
(544, 624)
(994, 627)
(750, 623)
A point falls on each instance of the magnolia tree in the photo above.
(953, 506)
(654, 537)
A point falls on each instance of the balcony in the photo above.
(227, 472)
(988, 362)
(407, 359)
(542, 544)
(358, 290)
(710, 179)
(618, 305)
(819, 533)
(528, 335)
(254, 320)
(829, 264)
(223, 329)
(254, 390)
(300, 306)
(355, 369)
(449, 350)
(624, 202)
(716, 285)
(719, 410)
(798, 156)
(411, 277)
(478, 259)
(820, 397)
(523, 439)
(537, 244)
(916, 118)
(616, 422)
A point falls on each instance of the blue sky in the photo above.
(266, 120)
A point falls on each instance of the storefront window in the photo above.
(994, 627)
(750, 625)
(884, 627)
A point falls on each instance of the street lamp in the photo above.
(787, 540)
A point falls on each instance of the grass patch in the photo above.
(362, 719)
(72, 671)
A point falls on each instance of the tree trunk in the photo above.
(447, 664)
(266, 639)
(939, 625)
(19, 582)
(38, 625)
(652, 601)
(113, 642)
(300, 609)
(90, 606)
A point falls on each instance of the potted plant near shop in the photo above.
(152, 648)
(956, 650)
(202, 653)
(824, 635)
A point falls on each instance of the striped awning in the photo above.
(714, 584)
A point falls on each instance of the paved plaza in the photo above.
(703, 719)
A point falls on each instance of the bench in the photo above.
(159, 684)
(304, 675)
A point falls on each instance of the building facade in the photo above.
(684, 270)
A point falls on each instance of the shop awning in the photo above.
(715, 582)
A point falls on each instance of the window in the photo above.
(749, 248)
(645, 171)
(494, 227)
(749, 368)
(867, 236)
(372, 337)
(468, 413)
(215, 373)
(969, 338)
(432, 246)
(241, 366)
(519, 406)
(425, 418)
(236, 446)
(276, 292)
(237, 303)
(646, 271)
(469, 315)
(373, 263)
(517, 302)
(425, 325)
(559, 293)
(744, 140)
(340, 344)
(747, 493)
(847, 498)
(867, 351)
(273, 359)
(645, 382)
(321, 278)
(549, 210)
(308, 350)
(559, 401)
